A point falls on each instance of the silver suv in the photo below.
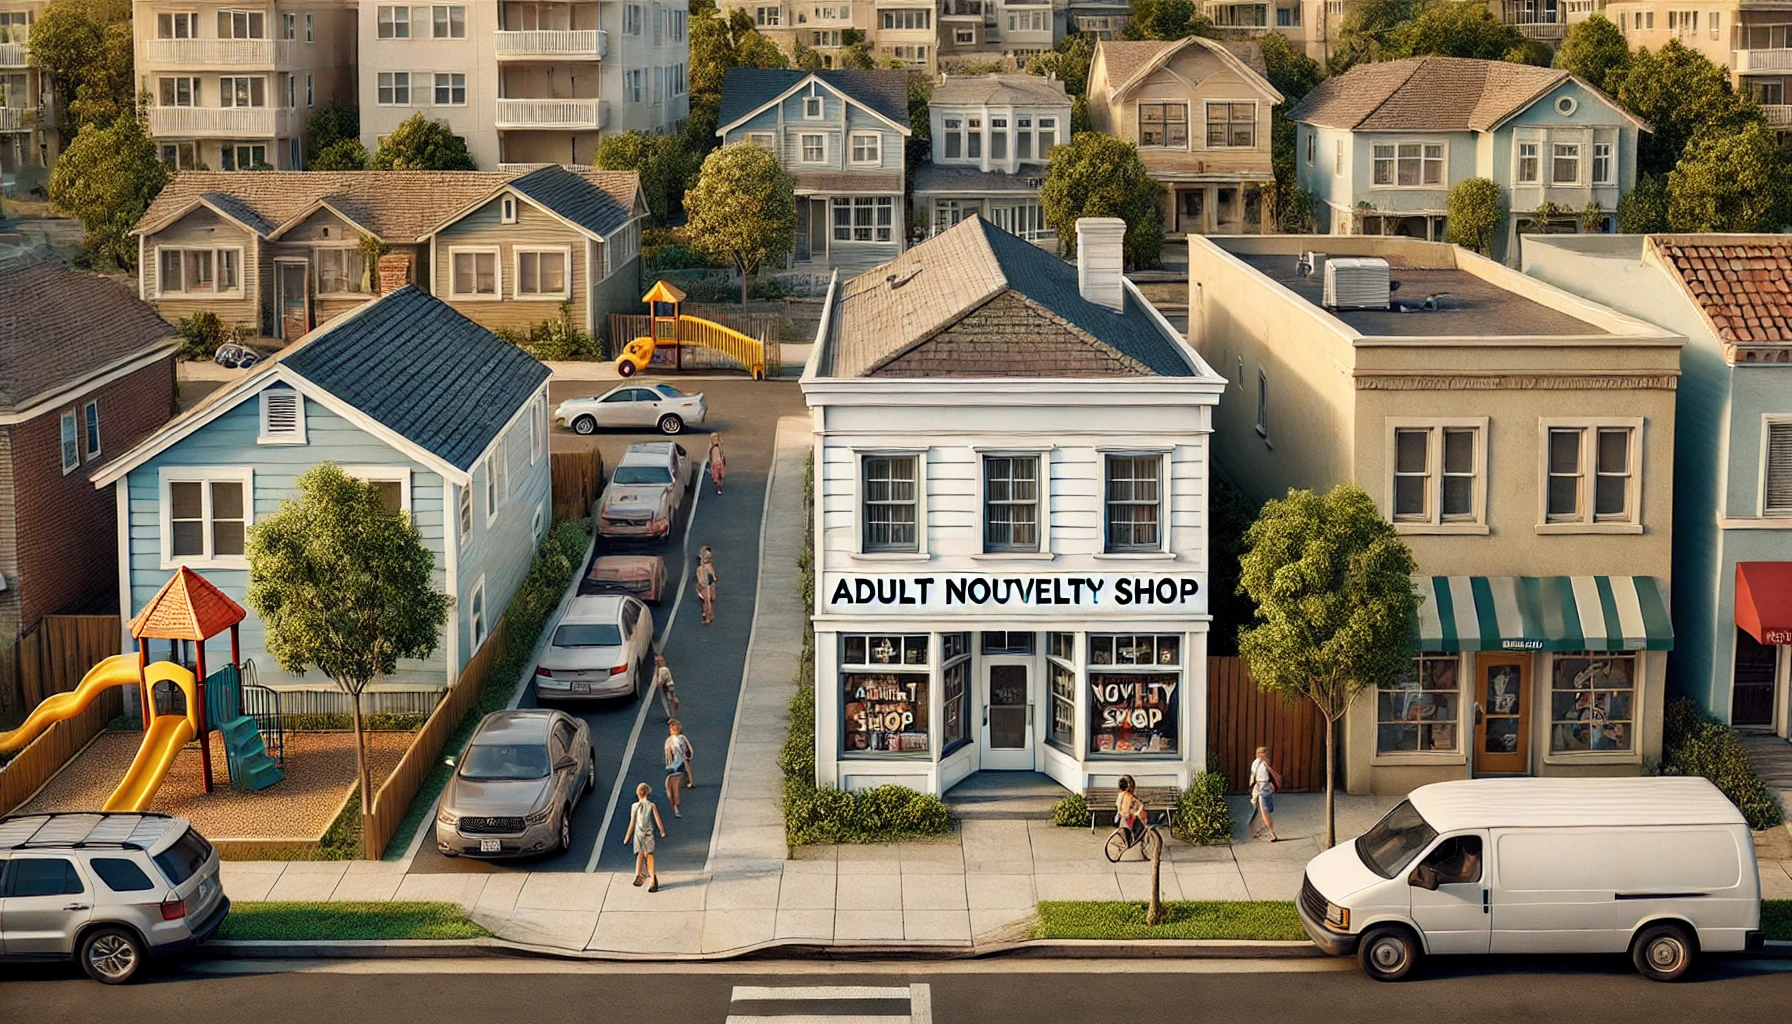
(110, 890)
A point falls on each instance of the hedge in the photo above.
(1694, 743)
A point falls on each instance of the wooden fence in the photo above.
(1241, 718)
(26, 773)
(392, 800)
(578, 478)
(53, 657)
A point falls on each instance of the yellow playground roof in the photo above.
(663, 292)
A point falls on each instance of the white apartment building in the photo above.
(526, 82)
(29, 141)
(231, 84)
(924, 34)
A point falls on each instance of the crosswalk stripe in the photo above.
(831, 1004)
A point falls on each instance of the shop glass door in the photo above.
(1752, 685)
(1007, 719)
(1502, 737)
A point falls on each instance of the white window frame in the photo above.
(538, 414)
(401, 475)
(317, 265)
(436, 85)
(204, 476)
(1044, 502)
(1535, 156)
(1256, 124)
(448, 13)
(497, 483)
(1393, 183)
(507, 209)
(1463, 721)
(90, 430)
(1434, 523)
(859, 455)
(264, 435)
(516, 266)
(634, 17)
(1556, 158)
(1610, 175)
(1589, 469)
(309, 35)
(876, 147)
(463, 516)
(1768, 422)
(764, 139)
(310, 86)
(478, 614)
(69, 439)
(802, 148)
(233, 293)
(813, 107)
(1164, 483)
(497, 294)
(538, 524)
(392, 88)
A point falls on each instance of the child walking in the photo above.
(642, 820)
(718, 466)
(706, 583)
(678, 763)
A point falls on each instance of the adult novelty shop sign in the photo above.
(1030, 592)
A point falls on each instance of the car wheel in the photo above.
(591, 770)
(111, 955)
(1388, 954)
(564, 843)
(625, 368)
(586, 425)
(1664, 952)
(670, 424)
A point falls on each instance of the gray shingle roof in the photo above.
(414, 364)
(1430, 94)
(946, 178)
(999, 89)
(59, 326)
(961, 269)
(574, 197)
(847, 181)
(239, 211)
(745, 90)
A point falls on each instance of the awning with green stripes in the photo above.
(1542, 613)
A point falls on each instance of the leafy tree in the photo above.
(1079, 116)
(1366, 29)
(1644, 210)
(1167, 19)
(329, 124)
(1680, 93)
(1455, 28)
(1099, 175)
(1529, 52)
(108, 176)
(855, 50)
(341, 155)
(1068, 62)
(1335, 606)
(920, 121)
(720, 40)
(420, 144)
(742, 209)
(343, 582)
(1731, 181)
(1595, 50)
(1592, 217)
(1476, 208)
(662, 162)
(85, 47)
(804, 57)
(1294, 74)
(1291, 71)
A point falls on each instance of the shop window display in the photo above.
(1133, 701)
(884, 694)
(1419, 713)
(955, 694)
(1060, 653)
(1592, 700)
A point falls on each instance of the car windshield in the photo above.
(1395, 840)
(495, 761)
(668, 391)
(186, 856)
(587, 634)
(642, 475)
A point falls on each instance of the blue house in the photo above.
(403, 391)
(840, 134)
(1731, 296)
(1380, 146)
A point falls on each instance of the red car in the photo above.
(641, 575)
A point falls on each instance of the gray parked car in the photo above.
(109, 890)
(513, 792)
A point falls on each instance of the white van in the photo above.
(1663, 868)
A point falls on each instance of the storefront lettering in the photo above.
(1777, 636)
(972, 590)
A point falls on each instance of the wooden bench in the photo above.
(1158, 800)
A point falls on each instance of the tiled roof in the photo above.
(187, 607)
(413, 363)
(1742, 283)
(237, 210)
(847, 182)
(1427, 94)
(887, 311)
(600, 209)
(1125, 58)
(999, 89)
(745, 90)
(947, 178)
(59, 326)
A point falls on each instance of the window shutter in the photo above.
(282, 415)
(1778, 497)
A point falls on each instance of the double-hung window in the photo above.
(867, 148)
(341, 272)
(998, 138)
(973, 138)
(1011, 503)
(1408, 164)
(1564, 168)
(463, 514)
(1602, 164)
(891, 506)
(1134, 502)
(541, 274)
(205, 515)
(90, 424)
(763, 17)
(449, 21)
(393, 22)
(1163, 125)
(394, 89)
(451, 89)
(1023, 137)
(1527, 162)
(1231, 125)
(1591, 476)
(473, 274)
(814, 148)
(954, 138)
(1048, 134)
(71, 442)
(635, 15)
(497, 483)
(1438, 475)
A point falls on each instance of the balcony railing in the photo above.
(1778, 114)
(223, 122)
(1762, 60)
(13, 51)
(17, 119)
(575, 114)
(558, 44)
(217, 53)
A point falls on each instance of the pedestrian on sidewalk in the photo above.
(678, 763)
(663, 685)
(1265, 780)
(706, 583)
(642, 820)
(676, 737)
(1129, 810)
(718, 466)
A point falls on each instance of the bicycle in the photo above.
(1149, 840)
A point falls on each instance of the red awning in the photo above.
(1764, 600)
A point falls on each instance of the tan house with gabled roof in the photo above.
(1199, 112)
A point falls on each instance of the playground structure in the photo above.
(670, 332)
(187, 609)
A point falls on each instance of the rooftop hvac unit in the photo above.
(1356, 282)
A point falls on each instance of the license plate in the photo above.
(490, 846)
(581, 687)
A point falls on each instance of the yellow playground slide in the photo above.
(166, 735)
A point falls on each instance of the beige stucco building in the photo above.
(1753, 38)
(29, 141)
(923, 34)
(1521, 441)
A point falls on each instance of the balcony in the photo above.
(554, 44)
(17, 119)
(13, 51)
(968, 9)
(1746, 61)
(217, 53)
(577, 115)
(1778, 114)
(215, 122)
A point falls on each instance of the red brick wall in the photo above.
(68, 529)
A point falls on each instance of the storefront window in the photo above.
(1061, 646)
(884, 697)
(1132, 704)
(1419, 713)
(1592, 702)
(955, 691)
(1007, 643)
(885, 650)
(1059, 650)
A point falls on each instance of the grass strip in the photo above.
(1776, 920)
(1262, 920)
(330, 921)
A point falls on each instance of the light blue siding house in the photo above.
(840, 134)
(1380, 146)
(1731, 296)
(403, 391)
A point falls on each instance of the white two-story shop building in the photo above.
(1012, 467)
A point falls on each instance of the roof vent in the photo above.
(1356, 282)
(898, 280)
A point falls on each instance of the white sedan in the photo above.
(633, 405)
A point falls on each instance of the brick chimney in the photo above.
(395, 271)
(1101, 261)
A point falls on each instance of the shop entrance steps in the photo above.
(1004, 796)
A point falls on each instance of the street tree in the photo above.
(661, 161)
(420, 144)
(108, 176)
(343, 583)
(1595, 50)
(1332, 583)
(1099, 175)
(1644, 209)
(1731, 181)
(85, 48)
(719, 40)
(742, 209)
(341, 155)
(1068, 62)
(1476, 207)
(1680, 93)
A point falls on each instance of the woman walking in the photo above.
(706, 583)
(1265, 780)
(678, 763)
(663, 685)
(718, 466)
(642, 820)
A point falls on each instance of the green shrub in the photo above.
(1202, 815)
(673, 256)
(559, 339)
(376, 721)
(1072, 811)
(200, 334)
(1694, 743)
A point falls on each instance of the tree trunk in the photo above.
(367, 849)
(1331, 795)
(1154, 912)
(743, 285)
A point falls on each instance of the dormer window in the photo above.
(812, 107)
